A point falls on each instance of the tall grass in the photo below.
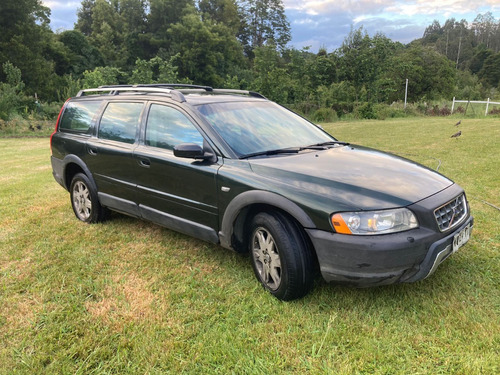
(129, 297)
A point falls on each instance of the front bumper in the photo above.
(386, 259)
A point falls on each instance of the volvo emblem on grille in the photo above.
(454, 207)
(451, 213)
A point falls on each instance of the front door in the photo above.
(178, 193)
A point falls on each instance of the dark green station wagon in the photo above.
(233, 168)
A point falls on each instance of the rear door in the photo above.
(178, 193)
(111, 155)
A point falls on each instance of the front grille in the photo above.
(451, 214)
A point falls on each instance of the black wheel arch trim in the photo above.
(73, 159)
(248, 198)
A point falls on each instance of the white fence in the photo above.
(488, 102)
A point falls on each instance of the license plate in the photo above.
(461, 238)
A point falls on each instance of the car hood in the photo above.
(353, 177)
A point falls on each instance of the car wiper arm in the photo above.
(328, 143)
(291, 150)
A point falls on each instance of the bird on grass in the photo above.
(458, 123)
(456, 135)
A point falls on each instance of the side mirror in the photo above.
(192, 151)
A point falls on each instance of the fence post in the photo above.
(487, 105)
(453, 105)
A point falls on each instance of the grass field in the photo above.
(129, 297)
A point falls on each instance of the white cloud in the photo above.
(398, 7)
(59, 4)
(316, 7)
(327, 22)
(433, 7)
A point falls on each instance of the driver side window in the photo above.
(167, 127)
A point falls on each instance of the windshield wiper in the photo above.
(294, 150)
(291, 150)
(328, 143)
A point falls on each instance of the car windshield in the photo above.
(256, 127)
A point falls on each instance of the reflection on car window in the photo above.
(251, 127)
(119, 122)
(78, 116)
(167, 127)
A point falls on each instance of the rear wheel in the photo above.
(280, 256)
(84, 200)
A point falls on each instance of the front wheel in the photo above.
(84, 200)
(281, 258)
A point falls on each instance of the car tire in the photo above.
(280, 255)
(84, 200)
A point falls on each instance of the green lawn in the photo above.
(129, 297)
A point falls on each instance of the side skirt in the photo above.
(179, 224)
(175, 223)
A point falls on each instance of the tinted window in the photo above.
(77, 116)
(119, 122)
(167, 127)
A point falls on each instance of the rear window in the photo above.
(77, 116)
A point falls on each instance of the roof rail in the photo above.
(176, 85)
(116, 89)
(241, 92)
(176, 90)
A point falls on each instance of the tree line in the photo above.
(241, 44)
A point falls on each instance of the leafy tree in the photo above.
(271, 77)
(155, 70)
(468, 86)
(323, 69)
(265, 23)
(337, 92)
(432, 33)
(81, 54)
(116, 28)
(490, 72)
(85, 17)
(487, 31)
(208, 52)
(107, 33)
(103, 75)
(477, 61)
(26, 41)
(356, 65)
(430, 75)
(222, 12)
(11, 96)
(460, 41)
(164, 13)
(133, 28)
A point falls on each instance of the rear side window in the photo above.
(77, 116)
(119, 122)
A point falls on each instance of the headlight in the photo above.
(374, 222)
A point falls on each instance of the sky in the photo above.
(326, 23)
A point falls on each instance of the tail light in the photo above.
(57, 123)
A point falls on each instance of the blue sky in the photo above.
(325, 23)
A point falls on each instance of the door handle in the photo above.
(146, 163)
(92, 150)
